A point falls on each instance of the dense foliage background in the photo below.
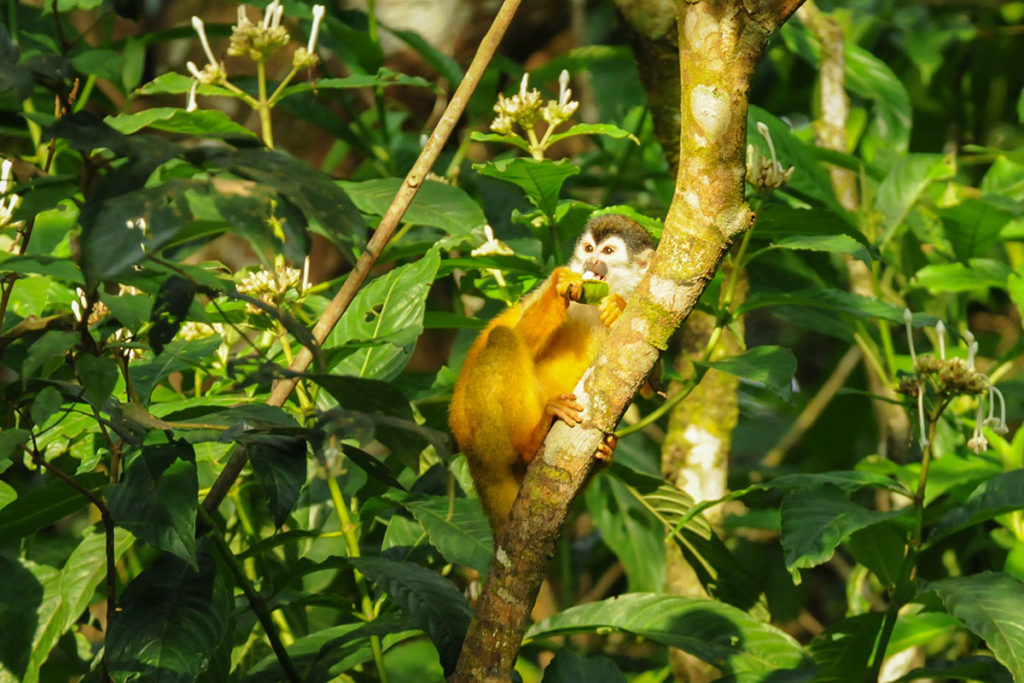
(162, 265)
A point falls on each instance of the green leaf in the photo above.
(7, 494)
(383, 78)
(201, 122)
(45, 505)
(170, 306)
(52, 344)
(427, 600)
(916, 630)
(541, 180)
(46, 403)
(958, 277)
(29, 591)
(11, 441)
(279, 463)
(176, 356)
(171, 618)
(98, 376)
(35, 264)
(102, 63)
(173, 83)
(818, 229)
(880, 548)
(158, 497)
(389, 311)
(436, 205)
(989, 605)
(722, 635)
(769, 366)
(635, 535)
(907, 179)
(513, 140)
(976, 668)
(887, 138)
(816, 520)
(842, 652)
(445, 64)
(829, 299)
(973, 227)
(593, 129)
(569, 667)
(462, 535)
(1002, 493)
(130, 226)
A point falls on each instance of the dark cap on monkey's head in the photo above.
(637, 239)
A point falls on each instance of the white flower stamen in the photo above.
(908, 318)
(920, 414)
(318, 16)
(972, 349)
(940, 330)
(192, 104)
(197, 24)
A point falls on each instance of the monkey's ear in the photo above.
(643, 259)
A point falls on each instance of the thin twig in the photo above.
(388, 224)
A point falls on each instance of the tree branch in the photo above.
(388, 224)
(720, 43)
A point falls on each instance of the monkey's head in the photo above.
(613, 248)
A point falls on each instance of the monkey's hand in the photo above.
(607, 448)
(568, 284)
(566, 408)
(611, 308)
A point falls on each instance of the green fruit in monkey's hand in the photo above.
(594, 291)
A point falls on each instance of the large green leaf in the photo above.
(989, 605)
(887, 138)
(722, 635)
(905, 182)
(633, 533)
(771, 367)
(33, 264)
(957, 277)
(43, 506)
(384, 321)
(427, 600)
(202, 122)
(842, 652)
(541, 180)
(817, 519)
(456, 527)
(171, 618)
(437, 205)
(158, 497)
(814, 229)
(1002, 493)
(973, 227)
(98, 375)
(829, 299)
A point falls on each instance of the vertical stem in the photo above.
(263, 105)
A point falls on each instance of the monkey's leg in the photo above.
(564, 407)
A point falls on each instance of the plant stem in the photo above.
(352, 542)
(256, 602)
(263, 103)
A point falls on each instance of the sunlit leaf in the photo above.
(769, 366)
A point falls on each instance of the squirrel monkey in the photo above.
(519, 375)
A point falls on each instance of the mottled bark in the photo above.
(720, 43)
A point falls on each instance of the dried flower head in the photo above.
(766, 173)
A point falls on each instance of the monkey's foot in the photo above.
(566, 408)
(607, 448)
(611, 308)
(568, 284)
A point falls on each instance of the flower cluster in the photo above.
(951, 377)
(254, 40)
(271, 286)
(766, 173)
(526, 108)
(490, 246)
(8, 202)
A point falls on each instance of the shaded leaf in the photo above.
(158, 497)
(635, 535)
(43, 506)
(828, 299)
(843, 651)
(977, 668)
(816, 520)
(169, 310)
(462, 536)
(973, 227)
(717, 633)
(427, 600)
(771, 367)
(905, 182)
(36, 264)
(98, 376)
(880, 548)
(1002, 493)
(172, 618)
(541, 180)
(570, 667)
(436, 205)
(279, 463)
(989, 605)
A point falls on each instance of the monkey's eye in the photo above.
(608, 250)
(588, 248)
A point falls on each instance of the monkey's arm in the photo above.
(544, 311)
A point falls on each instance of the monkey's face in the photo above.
(611, 258)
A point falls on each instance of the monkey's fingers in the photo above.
(569, 284)
(611, 308)
(566, 408)
(607, 447)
